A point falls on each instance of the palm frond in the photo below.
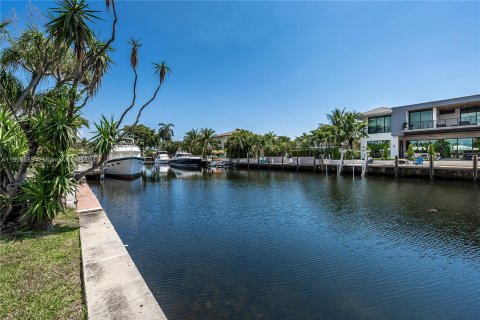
(163, 70)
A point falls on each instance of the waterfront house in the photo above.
(452, 125)
(222, 138)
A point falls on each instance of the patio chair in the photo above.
(419, 161)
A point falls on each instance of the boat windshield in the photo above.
(126, 141)
(183, 154)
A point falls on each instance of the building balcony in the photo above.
(453, 124)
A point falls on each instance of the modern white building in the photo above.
(451, 125)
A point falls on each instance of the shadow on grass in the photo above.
(37, 233)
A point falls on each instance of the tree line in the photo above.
(343, 130)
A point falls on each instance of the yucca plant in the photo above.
(104, 139)
(41, 199)
(69, 25)
(12, 140)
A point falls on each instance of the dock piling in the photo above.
(353, 166)
(396, 166)
(326, 167)
(314, 164)
(431, 168)
(475, 168)
(297, 164)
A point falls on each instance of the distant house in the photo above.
(223, 137)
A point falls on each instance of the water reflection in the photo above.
(275, 245)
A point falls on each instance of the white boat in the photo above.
(185, 160)
(162, 157)
(125, 161)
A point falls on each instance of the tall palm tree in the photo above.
(207, 141)
(165, 131)
(163, 70)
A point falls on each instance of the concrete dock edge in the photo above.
(114, 288)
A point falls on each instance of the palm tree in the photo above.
(191, 140)
(325, 134)
(336, 119)
(207, 141)
(269, 141)
(165, 131)
(162, 70)
(353, 128)
(346, 127)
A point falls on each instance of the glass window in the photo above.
(427, 119)
(414, 120)
(469, 116)
(379, 124)
(453, 147)
(421, 119)
(372, 125)
(388, 125)
(414, 143)
(423, 146)
(443, 148)
(377, 147)
(476, 145)
(464, 146)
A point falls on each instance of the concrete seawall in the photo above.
(447, 172)
(114, 288)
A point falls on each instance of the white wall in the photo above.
(222, 140)
(394, 147)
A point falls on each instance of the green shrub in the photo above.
(431, 150)
(41, 199)
(410, 151)
(386, 152)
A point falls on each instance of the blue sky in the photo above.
(281, 66)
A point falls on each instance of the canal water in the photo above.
(232, 244)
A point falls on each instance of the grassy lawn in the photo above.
(40, 273)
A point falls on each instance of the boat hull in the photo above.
(186, 163)
(124, 168)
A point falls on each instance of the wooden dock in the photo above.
(444, 169)
(94, 175)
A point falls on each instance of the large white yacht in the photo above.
(185, 160)
(162, 157)
(125, 161)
